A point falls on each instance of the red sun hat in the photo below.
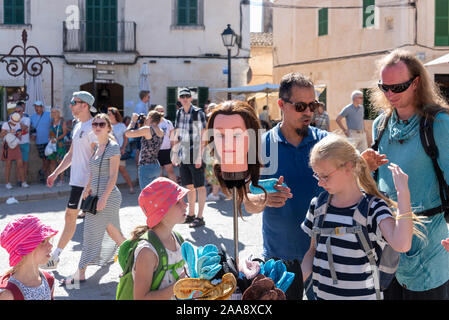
(158, 197)
(22, 235)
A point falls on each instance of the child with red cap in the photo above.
(162, 202)
(27, 241)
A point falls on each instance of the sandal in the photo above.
(189, 219)
(64, 282)
(197, 222)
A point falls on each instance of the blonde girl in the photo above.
(344, 175)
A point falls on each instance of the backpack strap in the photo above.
(15, 290)
(51, 281)
(363, 209)
(163, 265)
(431, 149)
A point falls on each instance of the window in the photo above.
(322, 22)
(199, 95)
(187, 12)
(369, 17)
(441, 23)
(101, 26)
(323, 98)
(14, 11)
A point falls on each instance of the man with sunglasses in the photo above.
(353, 113)
(407, 94)
(190, 123)
(293, 138)
(83, 141)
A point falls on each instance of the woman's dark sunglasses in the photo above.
(395, 88)
(99, 124)
(301, 106)
(185, 96)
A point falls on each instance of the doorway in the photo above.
(442, 80)
(107, 95)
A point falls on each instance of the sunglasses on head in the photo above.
(185, 96)
(99, 124)
(395, 88)
(302, 106)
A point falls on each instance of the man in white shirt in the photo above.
(83, 141)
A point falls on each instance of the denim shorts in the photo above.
(25, 149)
(147, 173)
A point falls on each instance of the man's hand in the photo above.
(374, 159)
(278, 199)
(445, 244)
(51, 179)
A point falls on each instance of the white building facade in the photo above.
(179, 40)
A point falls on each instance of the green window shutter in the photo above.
(14, 11)
(101, 25)
(441, 22)
(322, 22)
(203, 95)
(368, 13)
(369, 112)
(171, 103)
(187, 12)
(182, 12)
(323, 98)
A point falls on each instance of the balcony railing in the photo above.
(93, 36)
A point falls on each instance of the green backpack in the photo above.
(125, 288)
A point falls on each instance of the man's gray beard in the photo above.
(303, 132)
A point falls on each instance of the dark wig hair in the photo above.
(251, 121)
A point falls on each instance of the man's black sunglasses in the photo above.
(185, 96)
(301, 106)
(395, 88)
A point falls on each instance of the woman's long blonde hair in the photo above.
(339, 151)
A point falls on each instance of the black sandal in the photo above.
(198, 222)
(189, 219)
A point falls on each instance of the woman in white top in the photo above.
(119, 128)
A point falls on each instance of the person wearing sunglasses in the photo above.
(355, 127)
(77, 158)
(289, 144)
(406, 93)
(99, 249)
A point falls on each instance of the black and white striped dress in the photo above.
(98, 247)
(355, 281)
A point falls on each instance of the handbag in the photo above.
(89, 204)
(51, 146)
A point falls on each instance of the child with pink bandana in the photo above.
(27, 241)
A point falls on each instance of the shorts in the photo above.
(191, 175)
(122, 163)
(41, 150)
(164, 157)
(10, 154)
(25, 149)
(75, 198)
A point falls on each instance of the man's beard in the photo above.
(303, 132)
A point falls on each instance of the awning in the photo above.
(440, 60)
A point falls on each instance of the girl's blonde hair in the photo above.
(338, 150)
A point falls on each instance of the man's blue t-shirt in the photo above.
(42, 125)
(354, 116)
(281, 227)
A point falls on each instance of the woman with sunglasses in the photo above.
(118, 129)
(102, 234)
(151, 140)
(58, 130)
(406, 94)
